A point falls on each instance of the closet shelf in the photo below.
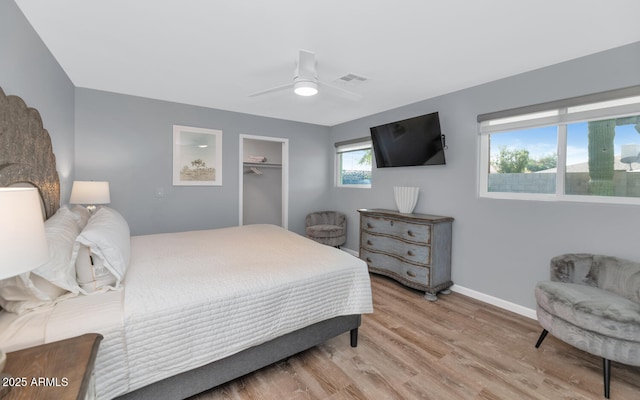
(259, 164)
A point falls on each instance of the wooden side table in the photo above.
(53, 371)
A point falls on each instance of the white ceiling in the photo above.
(214, 53)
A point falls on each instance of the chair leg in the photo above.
(606, 371)
(606, 365)
(541, 338)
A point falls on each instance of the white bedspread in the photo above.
(191, 298)
(196, 297)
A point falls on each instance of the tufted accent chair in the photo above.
(327, 227)
(592, 302)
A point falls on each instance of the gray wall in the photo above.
(270, 150)
(502, 247)
(262, 197)
(127, 141)
(28, 70)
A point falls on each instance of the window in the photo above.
(581, 149)
(353, 163)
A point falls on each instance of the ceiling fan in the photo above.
(305, 80)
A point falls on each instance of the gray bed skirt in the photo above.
(216, 373)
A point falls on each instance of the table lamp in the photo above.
(90, 193)
(23, 243)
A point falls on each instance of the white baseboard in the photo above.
(507, 305)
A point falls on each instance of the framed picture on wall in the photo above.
(197, 156)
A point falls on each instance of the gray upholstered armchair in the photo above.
(327, 227)
(593, 303)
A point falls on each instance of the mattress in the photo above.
(191, 298)
(197, 297)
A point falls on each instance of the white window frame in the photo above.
(345, 147)
(612, 104)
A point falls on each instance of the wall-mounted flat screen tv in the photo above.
(410, 142)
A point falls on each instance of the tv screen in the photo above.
(410, 142)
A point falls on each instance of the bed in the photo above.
(179, 312)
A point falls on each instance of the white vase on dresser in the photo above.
(413, 249)
(406, 198)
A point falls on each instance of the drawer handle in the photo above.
(410, 234)
(369, 225)
(410, 253)
(391, 223)
(369, 242)
(368, 260)
(411, 274)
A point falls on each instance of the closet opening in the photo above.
(264, 172)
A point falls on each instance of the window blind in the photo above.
(353, 144)
(604, 105)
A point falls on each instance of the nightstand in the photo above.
(54, 371)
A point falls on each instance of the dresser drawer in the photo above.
(403, 230)
(412, 252)
(412, 275)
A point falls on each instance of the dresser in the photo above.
(413, 249)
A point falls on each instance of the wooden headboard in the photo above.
(26, 154)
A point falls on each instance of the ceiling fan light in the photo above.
(305, 88)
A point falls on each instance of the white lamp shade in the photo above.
(305, 88)
(23, 243)
(90, 192)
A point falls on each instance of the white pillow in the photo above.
(107, 236)
(61, 230)
(26, 292)
(92, 275)
(82, 215)
(47, 283)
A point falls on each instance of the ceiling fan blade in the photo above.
(340, 91)
(273, 90)
(306, 68)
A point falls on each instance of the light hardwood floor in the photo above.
(455, 348)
